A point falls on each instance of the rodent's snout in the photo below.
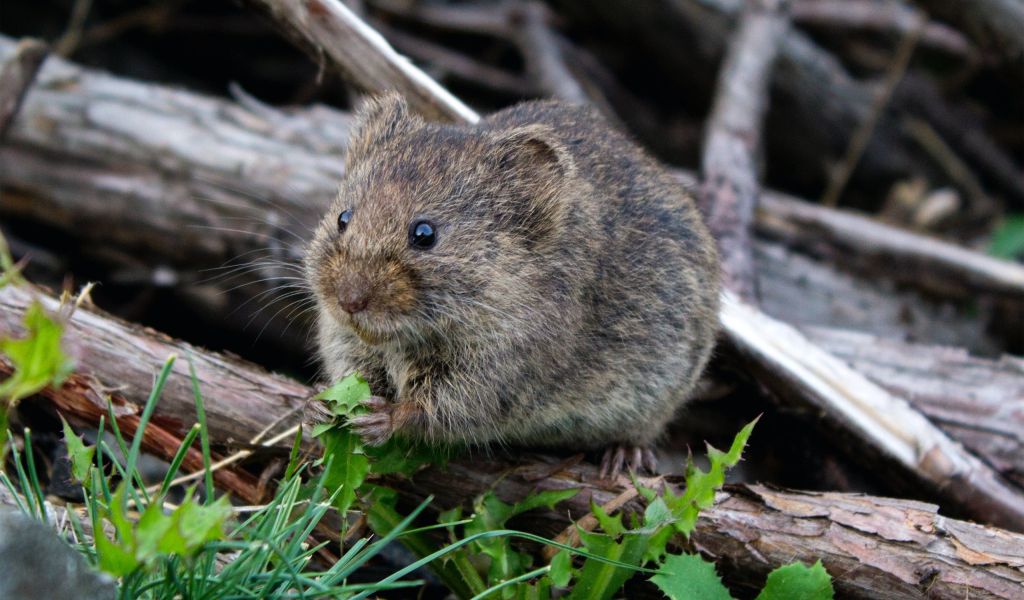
(354, 294)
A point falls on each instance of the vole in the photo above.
(535, 279)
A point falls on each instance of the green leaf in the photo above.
(601, 581)
(37, 358)
(345, 398)
(561, 568)
(798, 581)
(690, 577)
(157, 535)
(1008, 239)
(702, 485)
(81, 456)
(347, 466)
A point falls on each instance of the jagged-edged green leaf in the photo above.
(37, 358)
(346, 466)
(601, 581)
(690, 577)
(798, 581)
(80, 455)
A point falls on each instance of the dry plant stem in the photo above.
(861, 137)
(730, 187)
(363, 55)
(882, 420)
(960, 128)
(314, 166)
(886, 17)
(875, 547)
(16, 75)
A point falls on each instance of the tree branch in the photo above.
(729, 187)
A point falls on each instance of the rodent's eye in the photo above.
(343, 219)
(422, 235)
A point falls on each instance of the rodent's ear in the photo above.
(377, 119)
(533, 167)
(535, 151)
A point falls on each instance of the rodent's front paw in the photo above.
(376, 426)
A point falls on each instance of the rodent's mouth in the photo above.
(370, 337)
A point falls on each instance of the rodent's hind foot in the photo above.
(376, 426)
(635, 459)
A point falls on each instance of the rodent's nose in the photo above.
(353, 299)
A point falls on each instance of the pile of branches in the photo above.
(881, 356)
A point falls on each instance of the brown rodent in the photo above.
(535, 279)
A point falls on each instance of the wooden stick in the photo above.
(363, 55)
(730, 187)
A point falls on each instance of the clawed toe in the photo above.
(375, 427)
(635, 459)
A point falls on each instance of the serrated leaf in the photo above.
(114, 559)
(345, 398)
(690, 577)
(798, 581)
(156, 534)
(612, 526)
(347, 466)
(600, 581)
(37, 358)
(702, 485)
(80, 455)
(561, 568)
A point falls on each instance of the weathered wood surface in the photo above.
(874, 547)
(330, 28)
(970, 397)
(731, 187)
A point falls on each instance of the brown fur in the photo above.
(571, 298)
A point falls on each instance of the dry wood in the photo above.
(995, 25)
(874, 547)
(124, 120)
(970, 397)
(730, 187)
(16, 75)
(362, 54)
(124, 359)
(540, 47)
(886, 17)
(911, 258)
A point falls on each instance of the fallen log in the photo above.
(874, 547)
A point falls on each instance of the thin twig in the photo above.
(841, 175)
(730, 185)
